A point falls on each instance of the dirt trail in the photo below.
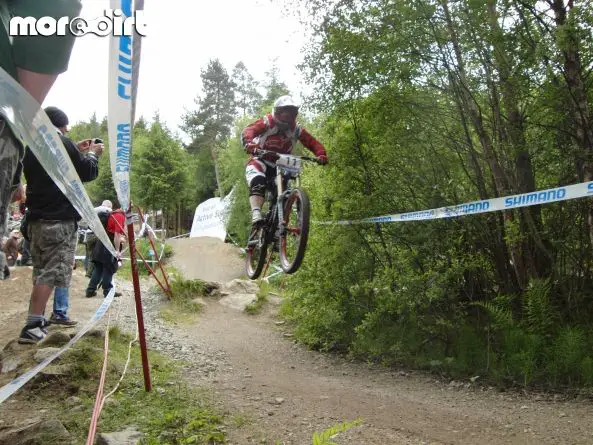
(397, 407)
(16, 291)
(279, 391)
(292, 392)
(207, 259)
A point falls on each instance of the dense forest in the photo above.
(420, 104)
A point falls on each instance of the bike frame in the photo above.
(281, 191)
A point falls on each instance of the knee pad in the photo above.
(257, 187)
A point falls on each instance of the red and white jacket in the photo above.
(266, 134)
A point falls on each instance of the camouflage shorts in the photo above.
(52, 246)
(10, 156)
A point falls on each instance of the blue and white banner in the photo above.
(12, 387)
(32, 126)
(121, 94)
(575, 191)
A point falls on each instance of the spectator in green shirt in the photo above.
(35, 62)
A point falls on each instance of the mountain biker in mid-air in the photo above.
(279, 133)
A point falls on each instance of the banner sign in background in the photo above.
(39, 134)
(211, 217)
(575, 191)
(120, 107)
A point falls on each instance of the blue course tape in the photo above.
(582, 190)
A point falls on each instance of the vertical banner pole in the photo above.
(138, 298)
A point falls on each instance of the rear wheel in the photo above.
(257, 247)
(296, 231)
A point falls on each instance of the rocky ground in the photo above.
(283, 392)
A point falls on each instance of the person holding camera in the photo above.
(52, 224)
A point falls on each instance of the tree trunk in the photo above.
(216, 172)
(581, 116)
(471, 108)
(535, 256)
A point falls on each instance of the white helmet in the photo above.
(285, 101)
(285, 112)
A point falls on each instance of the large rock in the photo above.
(10, 363)
(240, 287)
(52, 373)
(238, 301)
(44, 353)
(57, 338)
(129, 436)
(38, 433)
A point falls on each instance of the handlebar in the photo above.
(260, 152)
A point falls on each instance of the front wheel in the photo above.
(257, 247)
(293, 242)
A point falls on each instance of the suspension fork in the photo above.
(280, 203)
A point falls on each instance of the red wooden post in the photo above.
(138, 298)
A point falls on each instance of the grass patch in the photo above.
(262, 299)
(187, 297)
(173, 413)
(326, 436)
(145, 249)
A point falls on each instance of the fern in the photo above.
(325, 437)
(540, 315)
(570, 350)
(502, 317)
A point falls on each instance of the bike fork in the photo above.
(280, 204)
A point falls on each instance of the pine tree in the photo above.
(274, 87)
(210, 125)
(247, 98)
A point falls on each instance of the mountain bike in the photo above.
(286, 222)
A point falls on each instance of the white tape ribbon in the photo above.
(39, 134)
(540, 197)
(12, 387)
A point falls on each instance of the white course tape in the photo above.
(38, 133)
(12, 387)
(121, 93)
(575, 191)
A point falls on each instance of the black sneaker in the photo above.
(91, 294)
(115, 295)
(33, 333)
(62, 320)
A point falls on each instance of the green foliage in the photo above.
(145, 248)
(432, 104)
(173, 428)
(541, 317)
(324, 438)
(247, 98)
(211, 123)
(262, 298)
(160, 173)
(186, 295)
(187, 289)
(101, 188)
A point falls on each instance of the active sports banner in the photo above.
(575, 191)
(121, 94)
(211, 217)
(32, 125)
